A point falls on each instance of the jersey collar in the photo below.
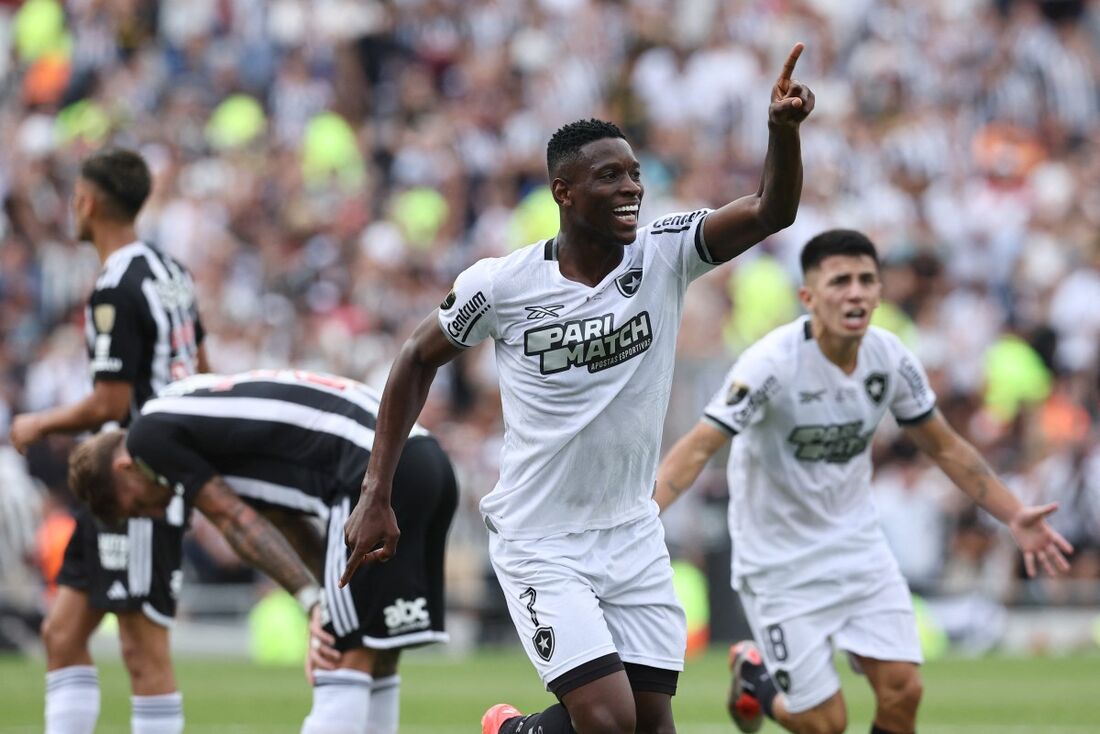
(123, 253)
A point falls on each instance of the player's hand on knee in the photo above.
(792, 101)
(371, 533)
(322, 654)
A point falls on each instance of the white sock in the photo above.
(72, 700)
(161, 714)
(385, 705)
(341, 701)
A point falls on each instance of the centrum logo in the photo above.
(459, 327)
(593, 342)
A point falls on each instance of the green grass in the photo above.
(443, 695)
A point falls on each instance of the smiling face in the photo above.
(841, 293)
(601, 191)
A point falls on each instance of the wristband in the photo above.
(308, 597)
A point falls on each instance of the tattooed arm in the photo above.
(254, 538)
(960, 461)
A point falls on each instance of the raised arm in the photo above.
(960, 461)
(371, 531)
(108, 401)
(257, 541)
(681, 467)
(742, 223)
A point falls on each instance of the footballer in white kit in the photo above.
(584, 326)
(810, 561)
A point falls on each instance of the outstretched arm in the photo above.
(739, 225)
(681, 467)
(960, 461)
(371, 531)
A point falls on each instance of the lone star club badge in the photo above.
(543, 639)
(544, 642)
(628, 282)
(876, 386)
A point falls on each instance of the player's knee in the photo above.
(901, 695)
(603, 717)
(62, 641)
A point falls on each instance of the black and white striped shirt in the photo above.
(293, 439)
(142, 323)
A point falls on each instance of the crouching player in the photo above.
(291, 445)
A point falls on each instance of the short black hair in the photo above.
(566, 143)
(122, 176)
(836, 242)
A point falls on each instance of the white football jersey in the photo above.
(585, 374)
(800, 466)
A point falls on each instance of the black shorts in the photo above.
(132, 567)
(398, 603)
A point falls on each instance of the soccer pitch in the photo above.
(446, 695)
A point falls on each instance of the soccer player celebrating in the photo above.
(810, 561)
(585, 329)
(297, 444)
(143, 331)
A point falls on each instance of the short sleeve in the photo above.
(116, 347)
(914, 399)
(162, 451)
(743, 399)
(680, 243)
(466, 314)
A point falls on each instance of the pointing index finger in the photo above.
(792, 59)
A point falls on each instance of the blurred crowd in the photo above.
(326, 167)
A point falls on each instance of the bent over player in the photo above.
(297, 443)
(810, 561)
(143, 331)
(584, 326)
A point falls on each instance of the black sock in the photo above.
(756, 681)
(554, 720)
(876, 729)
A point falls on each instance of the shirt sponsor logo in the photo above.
(114, 551)
(459, 327)
(406, 616)
(677, 223)
(595, 343)
(914, 380)
(836, 443)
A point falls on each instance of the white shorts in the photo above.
(577, 597)
(872, 618)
